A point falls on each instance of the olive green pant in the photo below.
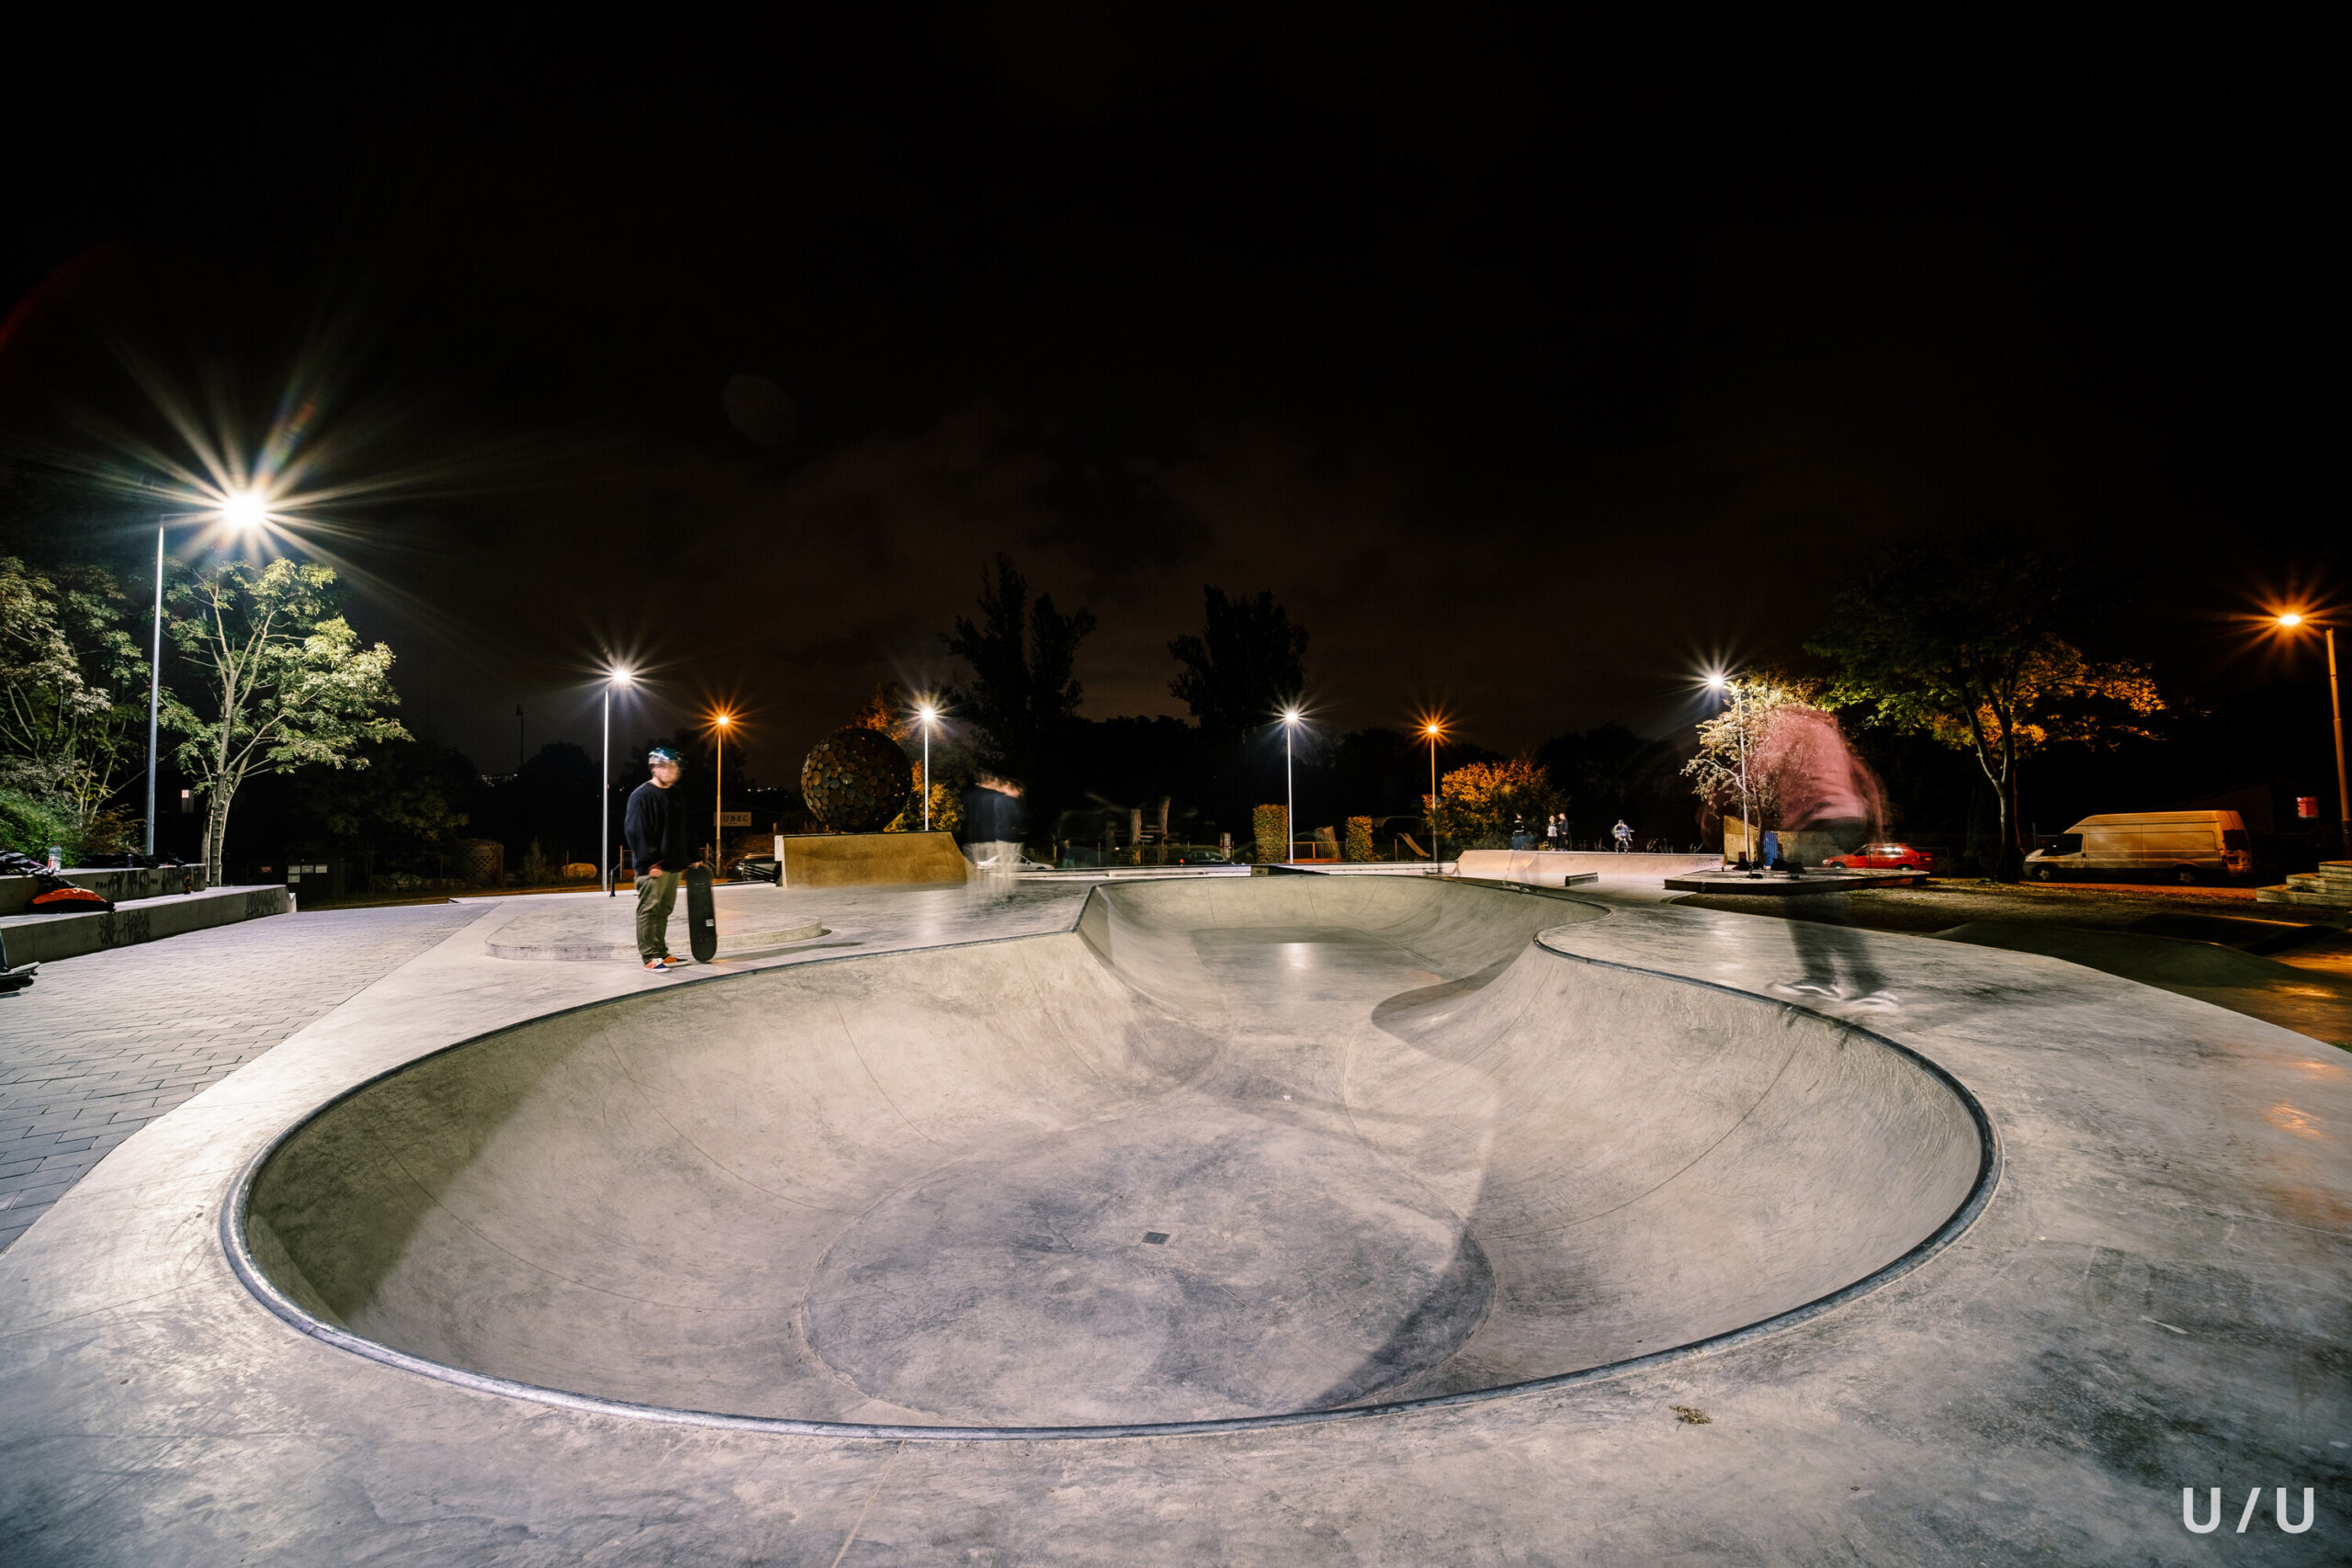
(656, 894)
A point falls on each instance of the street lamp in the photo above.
(243, 509)
(1718, 681)
(2289, 621)
(1290, 830)
(1434, 730)
(719, 722)
(619, 675)
(926, 716)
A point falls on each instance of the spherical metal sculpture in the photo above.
(856, 781)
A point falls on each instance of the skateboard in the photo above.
(702, 920)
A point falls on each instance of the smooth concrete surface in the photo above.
(45, 938)
(2309, 1001)
(596, 928)
(1389, 1147)
(758, 922)
(2154, 1296)
(870, 860)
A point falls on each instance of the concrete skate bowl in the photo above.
(1232, 1151)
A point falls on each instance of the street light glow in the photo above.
(722, 719)
(1716, 680)
(926, 713)
(1292, 715)
(622, 676)
(2290, 619)
(245, 509)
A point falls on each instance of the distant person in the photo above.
(994, 821)
(1519, 838)
(655, 829)
(1623, 835)
(1551, 832)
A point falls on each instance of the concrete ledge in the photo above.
(118, 884)
(1566, 868)
(44, 938)
(869, 860)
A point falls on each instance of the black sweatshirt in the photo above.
(655, 828)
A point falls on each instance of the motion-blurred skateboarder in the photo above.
(994, 820)
(1623, 835)
(656, 831)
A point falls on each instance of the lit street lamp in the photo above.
(243, 509)
(1435, 731)
(1290, 831)
(926, 716)
(719, 722)
(1718, 681)
(617, 676)
(2289, 621)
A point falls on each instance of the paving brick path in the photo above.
(102, 1044)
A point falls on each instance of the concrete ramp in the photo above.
(1232, 1149)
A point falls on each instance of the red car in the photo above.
(1885, 857)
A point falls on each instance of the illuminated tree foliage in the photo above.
(1478, 802)
(283, 681)
(71, 682)
(1972, 642)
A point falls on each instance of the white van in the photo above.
(2179, 846)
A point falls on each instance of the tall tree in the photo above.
(69, 688)
(283, 681)
(1972, 641)
(1023, 693)
(1248, 666)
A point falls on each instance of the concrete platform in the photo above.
(1504, 1167)
(44, 938)
(594, 928)
(870, 860)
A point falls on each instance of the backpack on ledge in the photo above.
(53, 895)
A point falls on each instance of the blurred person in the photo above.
(994, 820)
(1823, 787)
(1624, 834)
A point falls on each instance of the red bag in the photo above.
(55, 895)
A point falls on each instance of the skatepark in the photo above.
(1288, 1218)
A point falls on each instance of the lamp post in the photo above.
(926, 716)
(243, 509)
(1290, 797)
(1435, 732)
(718, 722)
(2289, 620)
(617, 676)
(1746, 809)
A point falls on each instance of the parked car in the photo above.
(1885, 857)
(2178, 846)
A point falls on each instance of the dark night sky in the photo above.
(1530, 365)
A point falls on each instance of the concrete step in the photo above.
(46, 938)
(2313, 897)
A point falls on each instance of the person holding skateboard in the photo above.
(655, 828)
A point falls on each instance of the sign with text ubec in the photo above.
(734, 819)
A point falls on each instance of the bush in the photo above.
(29, 824)
(1360, 839)
(1268, 823)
